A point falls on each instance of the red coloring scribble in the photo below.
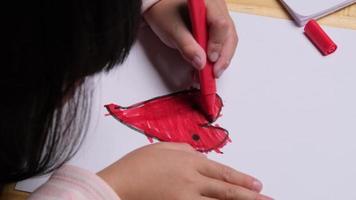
(174, 118)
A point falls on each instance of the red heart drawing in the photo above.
(174, 118)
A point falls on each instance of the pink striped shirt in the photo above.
(70, 182)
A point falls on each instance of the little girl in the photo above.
(49, 48)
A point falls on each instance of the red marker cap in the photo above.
(319, 38)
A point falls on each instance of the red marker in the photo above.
(197, 11)
(319, 38)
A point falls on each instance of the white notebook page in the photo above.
(306, 8)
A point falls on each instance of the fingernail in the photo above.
(214, 56)
(218, 73)
(257, 185)
(263, 197)
(197, 62)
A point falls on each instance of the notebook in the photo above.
(289, 110)
(302, 10)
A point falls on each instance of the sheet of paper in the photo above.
(302, 11)
(290, 111)
(307, 8)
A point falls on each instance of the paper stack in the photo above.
(302, 10)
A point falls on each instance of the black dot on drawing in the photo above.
(195, 106)
(195, 137)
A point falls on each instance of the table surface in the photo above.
(345, 18)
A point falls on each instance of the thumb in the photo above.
(189, 48)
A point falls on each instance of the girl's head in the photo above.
(49, 47)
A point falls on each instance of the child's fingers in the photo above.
(227, 174)
(218, 25)
(221, 190)
(217, 38)
(226, 55)
(188, 47)
(165, 19)
(222, 35)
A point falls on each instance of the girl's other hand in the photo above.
(169, 19)
(176, 171)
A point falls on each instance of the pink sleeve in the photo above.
(146, 4)
(71, 182)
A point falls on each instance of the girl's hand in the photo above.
(168, 20)
(176, 171)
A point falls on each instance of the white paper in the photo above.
(302, 11)
(290, 111)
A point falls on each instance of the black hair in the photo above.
(49, 48)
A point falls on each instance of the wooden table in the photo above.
(345, 18)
